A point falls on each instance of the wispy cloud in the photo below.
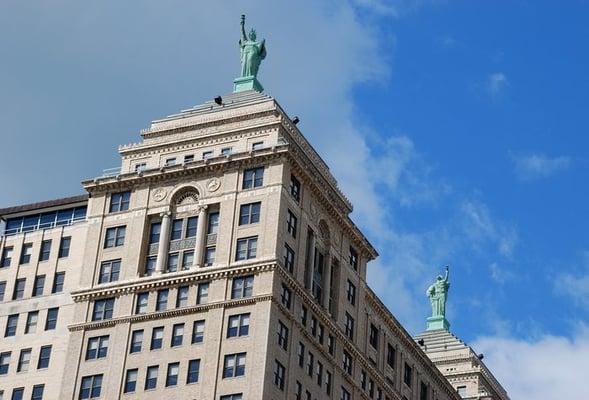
(575, 285)
(496, 82)
(537, 166)
(500, 274)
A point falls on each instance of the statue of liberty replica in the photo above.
(438, 294)
(252, 54)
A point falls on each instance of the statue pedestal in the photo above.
(247, 83)
(437, 323)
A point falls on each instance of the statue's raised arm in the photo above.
(447, 273)
(243, 35)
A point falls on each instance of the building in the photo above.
(218, 262)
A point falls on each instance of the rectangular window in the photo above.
(64, 247)
(373, 336)
(295, 188)
(319, 373)
(391, 355)
(363, 379)
(253, 177)
(207, 154)
(304, 316)
(4, 362)
(349, 327)
(279, 372)
(182, 296)
(301, 354)
(97, 347)
(238, 325)
(114, 237)
(249, 213)
(236, 396)
(162, 300)
(6, 257)
(291, 224)
(193, 371)
(103, 309)
(246, 248)
(91, 387)
(282, 335)
(242, 287)
(210, 253)
(172, 374)
(353, 258)
(58, 281)
(288, 258)
(328, 380)
(285, 296)
(188, 158)
(27, 251)
(154, 232)
(234, 365)
(151, 377)
(423, 391)
(2, 291)
(320, 334)
(345, 394)
(19, 289)
(461, 391)
(172, 265)
(176, 231)
(347, 362)
(44, 357)
(109, 271)
(11, 325)
(191, 226)
(213, 223)
(198, 331)
(136, 341)
(140, 167)
(351, 292)
(313, 326)
(51, 321)
(157, 338)
(408, 375)
(141, 303)
(45, 250)
(331, 344)
(202, 293)
(170, 161)
(131, 380)
(298, 390)
(150, 265)
(39, 285)
(187, 259)
(177, 335)
(32, 319)
(310, 364)
(226, 151)
(257, 145)
(24, 360)
(119, 201)
(18, 394)
(37, 393)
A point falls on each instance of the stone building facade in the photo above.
(218, 262)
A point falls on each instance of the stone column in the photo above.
(327, 282)
(164, 243)
(311, 266)
(201, 237)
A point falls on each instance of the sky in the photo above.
(457, 128)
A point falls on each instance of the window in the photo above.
(298, 390)
(301, 354)
(253, 177)
(170, 161)
(319, 373)
(157, 338)
(202, 293)
(295, 188)
(18, 394)
(210, 256)
(207, 154)
(191, 226)
(188, 158)
(162, 300)
(347, 362)
(353, 258)
(461, 391)
(172, 265)
(242, 287)
(136, 341)
(349, 327)
(226, 151)
(58, 281)
(154, 232)
(257, 145)
(177, 335)
(51, 321)
(27, 251)
(97, 347)
(291, 224)
(11, 325)
(279, 375)
(44, 357)
(37, 392)
(288, 258)
(198, 331)
(151, 377)
(423, 391)
(187, 259)
(119, 201)
(176, 231)
(2, 290)
(64, 247)
(310, 364)
(391, 355)
(313, 326)
(246, 248)
(24, 360)
(131, 380)
(304, 316)
(238, 325)
(282, 335)
(91, 387)
(345, 394)
(234, 365)
(408, 375)
(103, 309)
(114, 237)
(141, 305)
(150, 265)
(4, 362)
(321, 332)
(249, 213)
(45, 250)
(140, 167)
(213, 223)
(193, 371)
(32, 319)
(109, 271)
(19, 289)
(363, 379)
(6, 257)
(351, 291)
(373, 336)
(182, 296)
(285, 296)
(39, 285)
(331, 344)
(328, 380)
(236, 396)
(172, 375)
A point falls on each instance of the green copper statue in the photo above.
(438, 293)
(252, 54)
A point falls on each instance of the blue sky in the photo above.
(457, 128)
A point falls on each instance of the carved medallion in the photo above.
(213, 184)
(314, 211)
(159, 194)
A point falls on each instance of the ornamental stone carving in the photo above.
(159, 194)
(213, 184)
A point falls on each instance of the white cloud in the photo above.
(496, 82)
(500, 274)
(547, 368)
(576, 285)
(536, 166)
